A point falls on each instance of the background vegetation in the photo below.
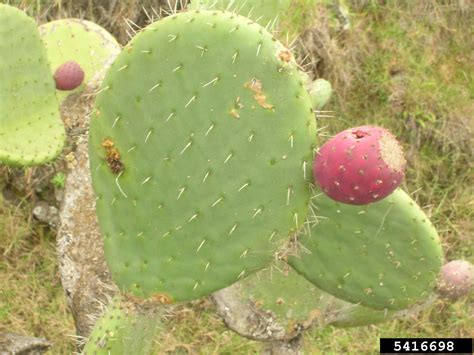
(404, 65)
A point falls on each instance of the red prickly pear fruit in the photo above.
(360, 165)
(68, 76)
(456, 279)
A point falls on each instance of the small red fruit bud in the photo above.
(68, 76)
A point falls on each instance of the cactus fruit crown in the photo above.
(392, 152)
(189, 131)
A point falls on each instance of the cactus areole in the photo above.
(360, 165)
(68, 76)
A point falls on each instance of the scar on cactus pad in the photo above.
(256, 87)
(69, 76)
(360, 165)
(112, 156)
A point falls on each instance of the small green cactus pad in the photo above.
(320, 91)
(352, 315)
(81, 41)
(297, 304)
(123, 329)
(385, 255)
(31, 131)
(200, 151)
(265, 12)
(293, 300)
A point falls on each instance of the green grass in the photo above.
(406, 66)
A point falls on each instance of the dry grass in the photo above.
(111, 14)
(405, 65)
(31, 297)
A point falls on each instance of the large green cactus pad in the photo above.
(82, 41)
(385, 255)
(265, 12)
(31, 131)
(200, 151)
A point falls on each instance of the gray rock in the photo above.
(22, 345)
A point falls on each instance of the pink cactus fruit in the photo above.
(68, 76)
(456, 279)
(360, 165)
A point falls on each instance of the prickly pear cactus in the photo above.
(124, 328)
(200, 154)
(385, 255)
(265, 12)
(31, 131)
(81, 41)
